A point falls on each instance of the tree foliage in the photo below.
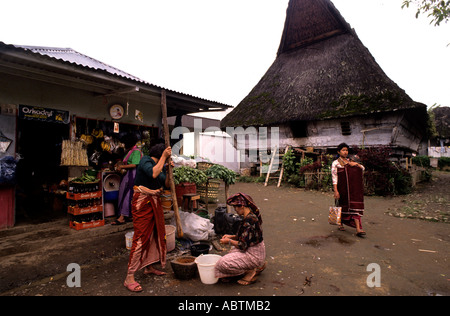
(438, 10)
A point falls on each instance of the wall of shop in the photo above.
(18, 90)
(7, 190)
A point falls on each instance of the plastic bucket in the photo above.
(170, 237)
(129, 239)
(205, 265)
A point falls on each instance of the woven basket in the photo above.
(204, 165)
(213, 191)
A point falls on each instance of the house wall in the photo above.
(18, 90)
(394, 129)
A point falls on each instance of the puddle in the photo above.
(320, 241)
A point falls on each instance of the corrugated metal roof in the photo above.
(72, 56)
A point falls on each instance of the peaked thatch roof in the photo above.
(322, 71)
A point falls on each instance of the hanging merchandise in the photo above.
(139, 116)
(73, 154)
(8, 166)
(4, 143)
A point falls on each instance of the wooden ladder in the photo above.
(275, 152)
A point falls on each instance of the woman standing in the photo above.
(348, 188)
(248, 255)
(129, 164)
(149, 240)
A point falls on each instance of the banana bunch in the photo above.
(97, 133)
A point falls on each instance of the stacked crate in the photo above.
(85, 205)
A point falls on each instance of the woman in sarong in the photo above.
(149, 240)
(247, 258)
(129, 163)
(348, 185)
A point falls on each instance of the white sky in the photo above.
(219, 49)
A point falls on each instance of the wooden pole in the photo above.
(275, 152)
(170, 173)
(227, 187)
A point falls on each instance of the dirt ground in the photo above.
(306, 256)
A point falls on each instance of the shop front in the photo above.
(55, 148)
(63, 115)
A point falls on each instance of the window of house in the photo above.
(346, 129)
(299, 129)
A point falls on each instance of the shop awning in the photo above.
(67, 67)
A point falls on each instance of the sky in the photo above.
(219, 49)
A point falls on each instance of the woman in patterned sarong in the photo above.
(348, 185)
(247, 258)
(149, 240)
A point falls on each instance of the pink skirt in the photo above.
(238, 262)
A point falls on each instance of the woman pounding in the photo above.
(149, 240)
(247, 258)
(348, 186)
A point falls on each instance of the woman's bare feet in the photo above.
(150, 270)
(249, 278)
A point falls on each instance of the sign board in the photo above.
(43, 114)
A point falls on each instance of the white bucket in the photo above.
(205, 265)
(170, 237)
(129, 239)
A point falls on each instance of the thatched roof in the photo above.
(322, 71)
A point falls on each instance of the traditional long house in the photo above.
(325, 87)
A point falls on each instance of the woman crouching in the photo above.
(248, 256)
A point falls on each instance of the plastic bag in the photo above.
(180, 161)
(334, 215)
(8, 170)
(195, 227)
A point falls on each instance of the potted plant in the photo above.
(186, 180)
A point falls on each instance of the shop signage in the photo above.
(43, 114)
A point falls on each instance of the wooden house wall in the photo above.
(388, 129)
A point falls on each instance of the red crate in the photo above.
(84, 196)
(85, 210)
(80, 226)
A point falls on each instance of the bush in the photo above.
(421, 161)
(443, 162)
(383, 177)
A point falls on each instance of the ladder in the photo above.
(274, 153)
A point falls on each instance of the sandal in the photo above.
(342, 228)
(117, 222)
(361, 234)
(133, 287)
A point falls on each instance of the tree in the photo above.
(438, 10)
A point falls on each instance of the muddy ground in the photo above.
(306, 255)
